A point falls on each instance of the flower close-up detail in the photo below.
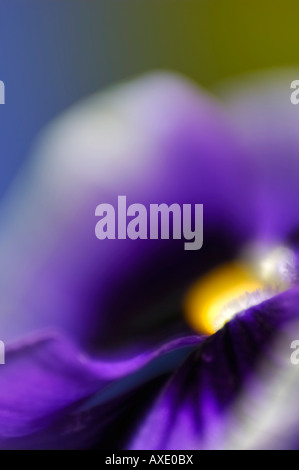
(139, 344)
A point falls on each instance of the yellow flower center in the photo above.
(228, 289)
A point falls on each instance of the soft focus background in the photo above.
(54, 52)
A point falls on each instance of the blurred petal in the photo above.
(102, 427)
(44, 378)
(267, 124)
(158, 139)
(266, 414)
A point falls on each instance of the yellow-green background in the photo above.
(207, 39)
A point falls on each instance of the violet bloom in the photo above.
(139, 344)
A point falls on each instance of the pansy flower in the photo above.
(138, 344)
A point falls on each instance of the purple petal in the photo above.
(44, 377)
(192, 412)
(156, 140)
(267, 124)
